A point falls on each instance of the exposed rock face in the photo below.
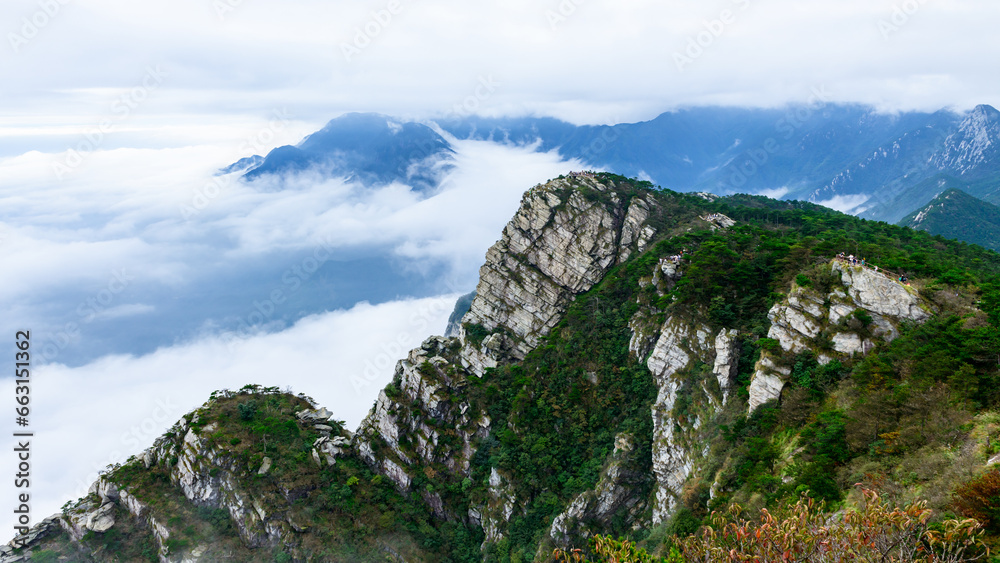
(645, 331)
(499, 508)
(328, 449)
(614, 493)
(767, 382)
(96, 513)
(564, 238)
(794, 325)
(424, 389)
(679, 344)
(806, 316)
(727, 357)
(38, 533)
(636, 234)
(879, 294)
(559, 244)
(719, 221)
(208, 476)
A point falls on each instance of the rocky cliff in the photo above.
(629, 359)
(864, 308)
(558, 245)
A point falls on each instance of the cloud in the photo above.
(87, 417)
(430, 56)
(774, 193)
(197, 250)
(129, 310)
(846, 203)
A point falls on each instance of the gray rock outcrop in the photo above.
(805, 318)
(879, 294)
(559, 244)
(423, 391)
(615, 493)
(681, 343)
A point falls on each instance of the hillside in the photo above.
(632, 359)
(957, 215)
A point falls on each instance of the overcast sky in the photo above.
(228, 63)
(156, 95)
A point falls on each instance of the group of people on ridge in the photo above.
(855, 261)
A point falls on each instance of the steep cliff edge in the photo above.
(566, 235)
(631, 360)
(562, 240)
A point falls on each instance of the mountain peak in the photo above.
(357, 122)
(370, 148)
(957, 215)
(986, 110)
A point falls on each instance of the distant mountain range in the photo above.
(368, 148)
(850, 157)
(957, 215)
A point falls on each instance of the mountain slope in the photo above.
(957, 215)
(364, 147)
(631, 360)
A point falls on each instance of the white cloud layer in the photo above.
(132, 229)
(88, 417)
(846, 203)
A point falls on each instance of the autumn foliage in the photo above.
(980, 499)
(876, 532)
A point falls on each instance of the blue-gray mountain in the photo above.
(957, 215)
(364, 147)
(851, 157)
(845, 156)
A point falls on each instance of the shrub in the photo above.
(475, 333)
(875, 532)
(769, 344)
(605, 549)
(980, 499)
(44, 556)
(248, 409)
(863, 317)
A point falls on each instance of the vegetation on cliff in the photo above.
(916, 417)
